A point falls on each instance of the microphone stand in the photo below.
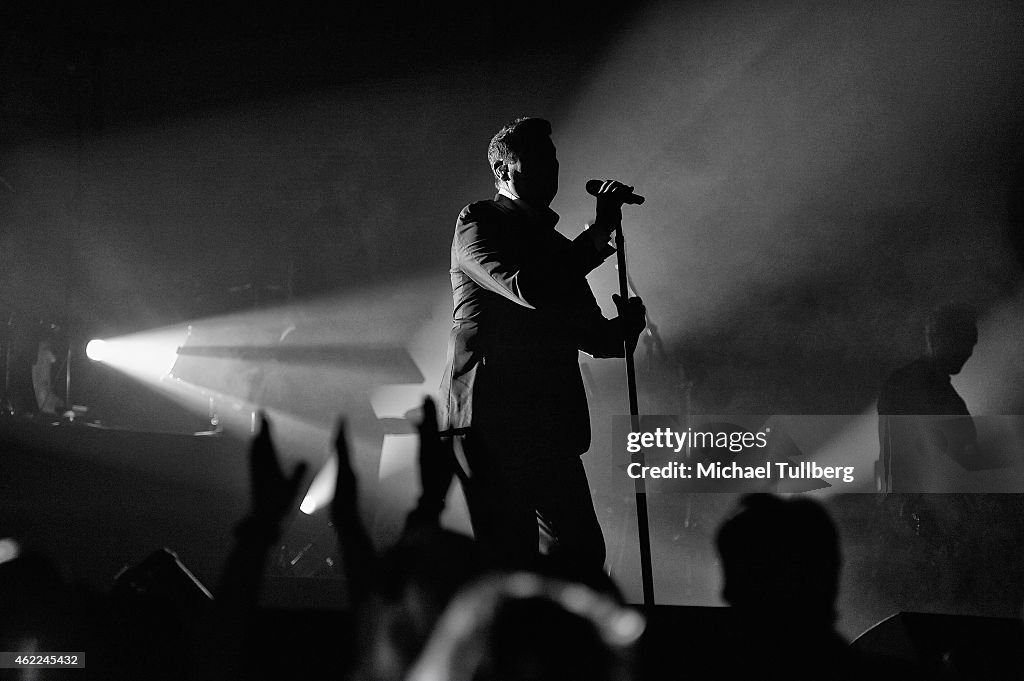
(639, 485)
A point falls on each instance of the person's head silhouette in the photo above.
(781, 559)
(950, 334)
(524, 161)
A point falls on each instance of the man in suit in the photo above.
(512, 394)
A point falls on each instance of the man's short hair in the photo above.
(516, 138)
(781, 555)
(951, 321)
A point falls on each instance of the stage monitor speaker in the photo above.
(950, 646)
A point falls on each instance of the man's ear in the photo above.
(501, 171)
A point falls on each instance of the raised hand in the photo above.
(357, 553)
(273, 492)
(436, 463)
(345, 505)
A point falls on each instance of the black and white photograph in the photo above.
(425, 341)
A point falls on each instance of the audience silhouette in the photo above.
(431, 608)
(781, 563)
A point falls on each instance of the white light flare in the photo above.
(9, 550)
(321, 490)
(96, 350)
(146, 356)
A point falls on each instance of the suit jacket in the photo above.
(523, 308)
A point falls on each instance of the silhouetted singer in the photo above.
(512, 395)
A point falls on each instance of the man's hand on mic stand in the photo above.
(610, 198)
(633, 314)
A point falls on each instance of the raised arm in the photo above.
(485, 252)
(357, 554)
(222, 645)
(436, 468)
(273, 497)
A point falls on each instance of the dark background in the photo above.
(818, 176)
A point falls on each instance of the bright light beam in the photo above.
(302, 397)
(147, 356)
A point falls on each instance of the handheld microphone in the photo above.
(594, 186)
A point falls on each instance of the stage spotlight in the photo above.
(96, 350)
(9, 550)
(148, 356)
